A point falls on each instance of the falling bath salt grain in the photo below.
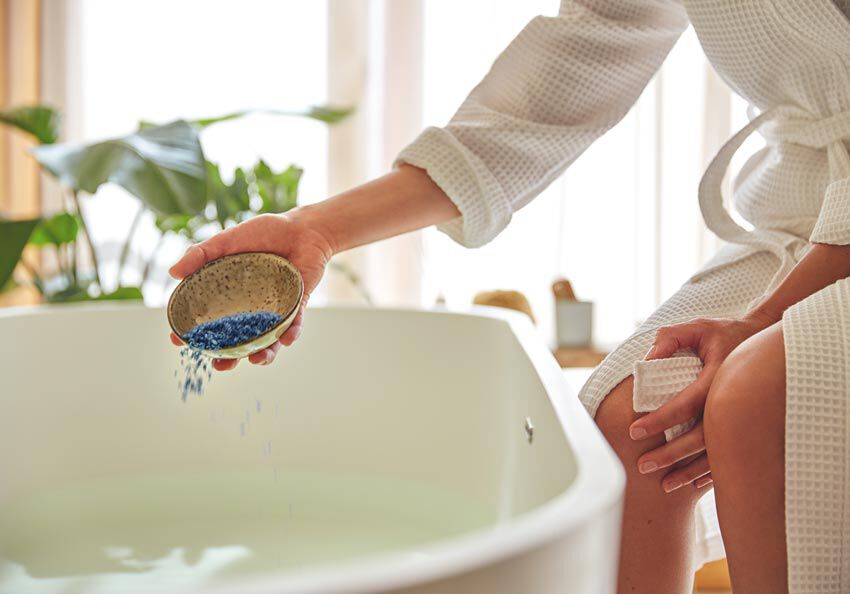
(195, 372)
(215, 335)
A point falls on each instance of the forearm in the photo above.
(401, 201)
(822, 266)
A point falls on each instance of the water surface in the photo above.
(175, 533)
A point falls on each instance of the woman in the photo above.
(773, 399)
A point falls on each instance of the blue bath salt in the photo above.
(196, 372)
(231, 330)
(214, 335)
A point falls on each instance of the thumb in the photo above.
(202, 253)
(192, 260)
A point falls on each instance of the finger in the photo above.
(294, 331)
(686, 474)
(175, 340)
(199, 254)
(265, 356)
(669, 339)
(272, 350)
(687, 444)
(225, 364)
(704, 481)
(684, 406)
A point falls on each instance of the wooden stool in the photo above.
(713, 577)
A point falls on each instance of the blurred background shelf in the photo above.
(570, 357)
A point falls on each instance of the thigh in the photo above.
(744, 427)
(744, 418)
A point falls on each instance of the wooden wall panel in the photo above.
(20, 40)
(20, 65)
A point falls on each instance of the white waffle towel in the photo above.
(657, 381)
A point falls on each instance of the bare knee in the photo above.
(746, 403)
(614, 416)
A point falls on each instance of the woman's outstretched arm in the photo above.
(558, 86)
(396, 203)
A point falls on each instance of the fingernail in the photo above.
(637, 432)
(646, 467)
(650, 353)
(701, 482)
(671, 486)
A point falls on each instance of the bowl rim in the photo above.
(287, 318)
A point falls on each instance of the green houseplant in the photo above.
(165, 168)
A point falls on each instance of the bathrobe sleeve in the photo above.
(559, 85)
(833, 224)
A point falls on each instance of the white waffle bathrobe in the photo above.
(565, 80)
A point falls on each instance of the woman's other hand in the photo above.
(294, 235)
(712, 340)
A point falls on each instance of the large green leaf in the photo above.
(175, 223)
(163, 166)
(10, 285)
(57, 230)
(230, 199)
(39, 120)
(278, 191)
(328, 115)
(322, 113)
(14, 236)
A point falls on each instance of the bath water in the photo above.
(175, 533)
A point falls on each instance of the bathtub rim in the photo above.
(598, 487)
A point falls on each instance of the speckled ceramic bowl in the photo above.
(239, 283)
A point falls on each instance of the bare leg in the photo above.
(745, 437)
(658, 528)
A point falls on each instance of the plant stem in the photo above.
(73, 251)
(85, 228)
(353, 278)
(64, 262)
(151, 260)
(36, 278)
(125, 249)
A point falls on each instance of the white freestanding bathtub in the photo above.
(461, 416)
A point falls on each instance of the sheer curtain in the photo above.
(111, 64)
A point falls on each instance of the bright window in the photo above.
(160, 60)
(622, 223)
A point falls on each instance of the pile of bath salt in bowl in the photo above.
(215, 335)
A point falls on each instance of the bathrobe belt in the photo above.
(777, 125)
